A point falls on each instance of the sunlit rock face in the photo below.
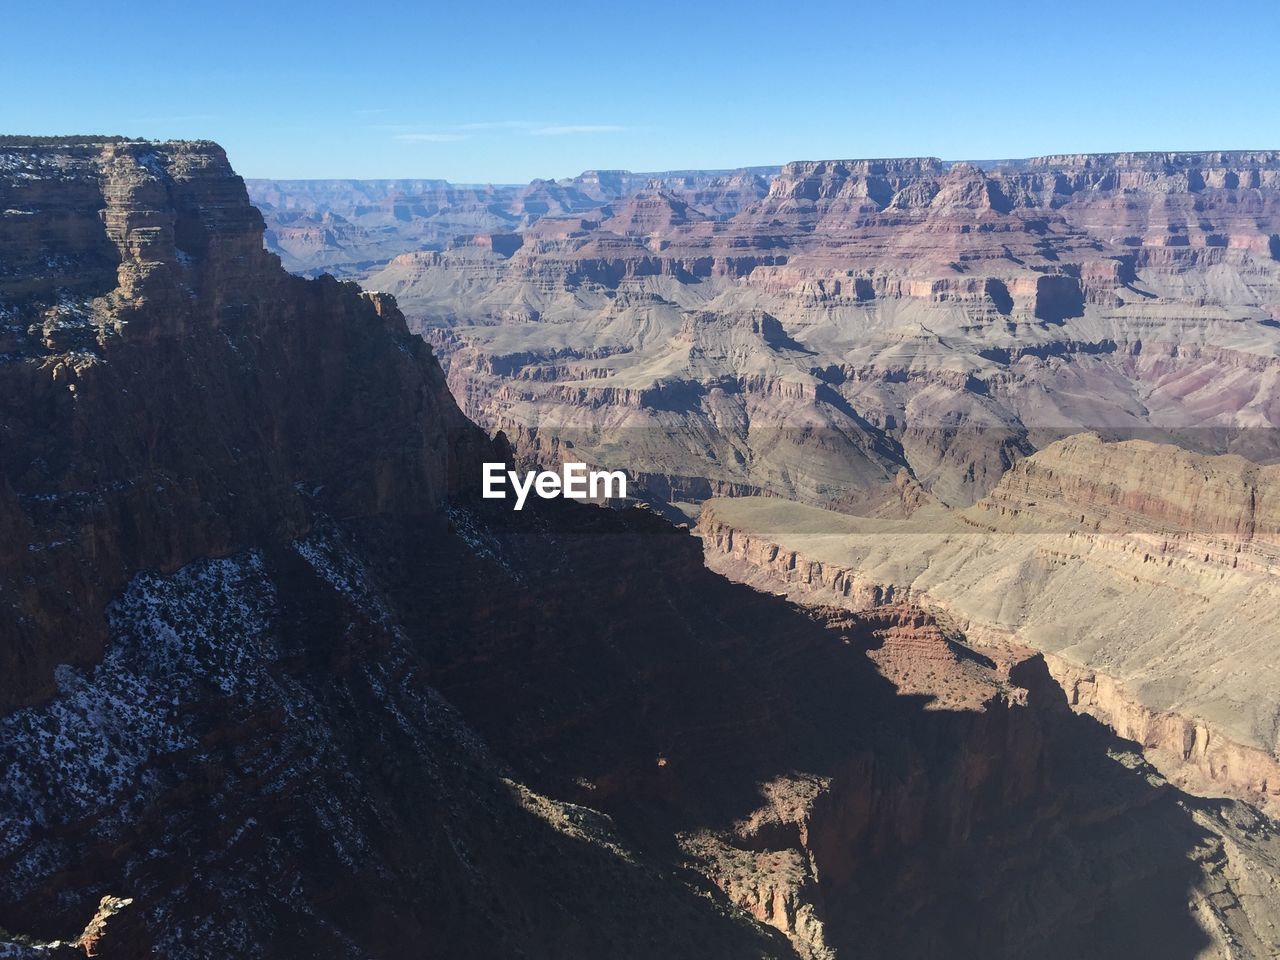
(1146, 574)
(869, 316)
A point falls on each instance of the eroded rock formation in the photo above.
(350, 227)
(278, 678)
(1146, 574)
(169, 392)
(939, 317)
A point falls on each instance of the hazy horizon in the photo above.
(977, 161)
(582, 171)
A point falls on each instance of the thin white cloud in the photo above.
(569, 128)
(431, 137)
(502, 125)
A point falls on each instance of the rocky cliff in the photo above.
(943, 318)
(1145, 573)
(278, 684)
(171, 393)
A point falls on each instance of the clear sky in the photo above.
(504, 92)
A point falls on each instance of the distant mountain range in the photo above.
(347, 227)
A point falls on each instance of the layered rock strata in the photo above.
(1146, 574)
(170, 392)
(868, 316)
(279, 684)
(353, 227)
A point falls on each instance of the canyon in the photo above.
(348, 227)
(866, 317)
(876, 346)
(1145, 574)
(278, 681)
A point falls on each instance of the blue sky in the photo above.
(504, 92)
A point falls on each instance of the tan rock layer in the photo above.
(1167, 524)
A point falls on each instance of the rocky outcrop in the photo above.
(1188, 746)
(113, 931)
(202, 399)
(775, 774)
(209, 709)
(1137, 486)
